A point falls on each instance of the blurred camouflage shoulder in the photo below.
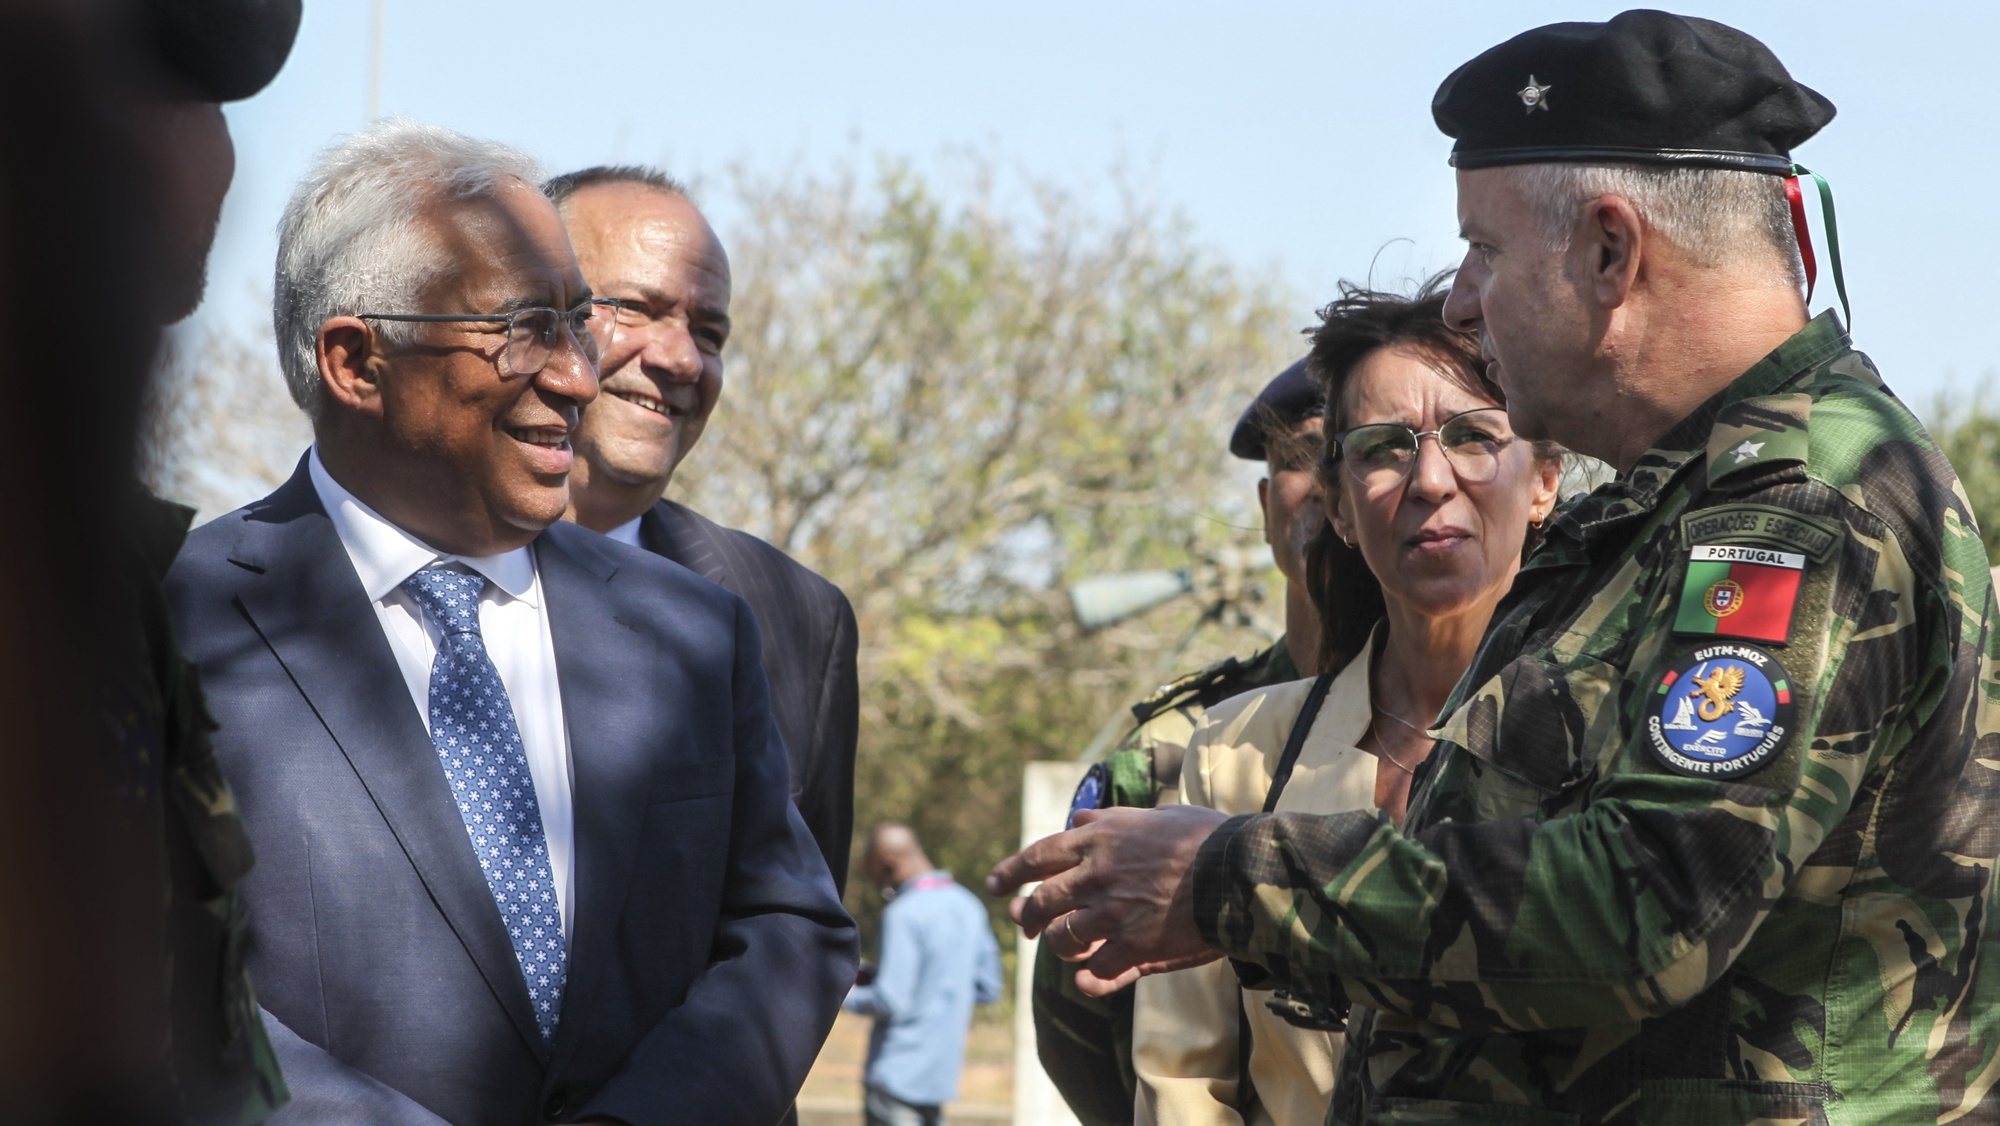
(1166, 720)
(224, 1068)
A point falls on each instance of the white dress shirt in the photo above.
(514, 623)
(628, 532)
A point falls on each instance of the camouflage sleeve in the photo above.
(1568, 878)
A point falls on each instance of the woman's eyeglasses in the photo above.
(1382, 453)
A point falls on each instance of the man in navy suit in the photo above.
(518, 801)
(641, 240)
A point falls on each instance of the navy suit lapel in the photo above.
(665, 531)
(612, 732)
(310, 608)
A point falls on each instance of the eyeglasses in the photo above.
(533, 332)
(1381, 454)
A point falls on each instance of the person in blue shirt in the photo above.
(937, 960)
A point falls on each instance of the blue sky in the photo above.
(1293, 137)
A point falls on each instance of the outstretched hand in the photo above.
(1117, 893)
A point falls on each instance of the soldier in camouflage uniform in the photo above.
(177, 811)
(1085, 1043)
(1709, 834)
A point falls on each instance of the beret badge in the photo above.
(1535, 96)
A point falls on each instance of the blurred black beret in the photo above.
(1289, 399)
(1646, 87)
(224, 49)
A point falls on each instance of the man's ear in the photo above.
(1610, 244)
(350, 363)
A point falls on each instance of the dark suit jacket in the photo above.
(808, 631)
(709, 951)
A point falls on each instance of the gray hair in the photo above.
(354, 238)
(1712, 214)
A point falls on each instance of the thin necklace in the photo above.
(1382, 745)
(1380, 710)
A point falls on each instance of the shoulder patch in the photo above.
(1736, 590)
(1763, 525)
(1758, 433)
(1722, 712)
(1090, 793)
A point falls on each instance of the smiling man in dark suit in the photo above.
(639, 239)
(516, 793)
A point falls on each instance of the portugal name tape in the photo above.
(1733, 590)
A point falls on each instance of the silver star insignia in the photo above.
(1535, 97)
(1747, 450)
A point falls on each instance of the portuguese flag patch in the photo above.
(1739, 591)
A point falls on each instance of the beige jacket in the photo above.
(1185, 1024)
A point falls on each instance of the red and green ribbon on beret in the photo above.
(1795, 193)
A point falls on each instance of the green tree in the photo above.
(1968, 431)
(954, 404)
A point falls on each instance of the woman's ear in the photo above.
(1548, 483)
(1342, 526)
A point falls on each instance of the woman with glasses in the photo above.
(1431, 501)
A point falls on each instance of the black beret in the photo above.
(1645, 87)
(224, 49)
(1290, 398)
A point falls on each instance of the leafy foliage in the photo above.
(1968, 431)
(951, 408)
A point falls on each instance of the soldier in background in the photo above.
(1710, 831)
(1085, 1043)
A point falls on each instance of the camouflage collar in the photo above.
(1633, 494)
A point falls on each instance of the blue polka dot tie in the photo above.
(472, 725)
